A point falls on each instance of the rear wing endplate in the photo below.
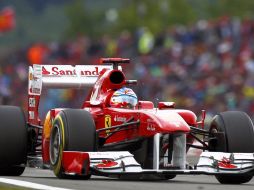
(58, 76)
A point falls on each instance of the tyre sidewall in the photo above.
(220, 144)
(58, 124)
(238, 132)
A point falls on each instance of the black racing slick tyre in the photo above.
(233, 132)
(72, 130)
(13, 141)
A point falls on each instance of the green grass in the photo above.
(10, 187)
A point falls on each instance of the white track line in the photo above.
(29, 184)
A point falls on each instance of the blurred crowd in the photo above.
(207, 65)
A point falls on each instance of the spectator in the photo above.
(208, 65)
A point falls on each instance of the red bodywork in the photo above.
(165, 119)
(100, 139)
(76, 162)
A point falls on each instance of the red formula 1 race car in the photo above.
(114, 134)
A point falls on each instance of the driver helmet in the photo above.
(124, 98)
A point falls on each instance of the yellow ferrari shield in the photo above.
(107, 122)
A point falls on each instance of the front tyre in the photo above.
(234, 132)
(73, 130)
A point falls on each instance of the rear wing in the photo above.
(62, 76)
(58, 76)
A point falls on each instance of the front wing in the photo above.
(123, 163)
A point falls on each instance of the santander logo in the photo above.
(45, 72)
(68, 70)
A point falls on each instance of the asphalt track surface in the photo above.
(48, 181)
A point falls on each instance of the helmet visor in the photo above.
(125, 100)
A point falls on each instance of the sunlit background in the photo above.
(197, 53)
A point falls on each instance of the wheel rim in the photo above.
(55, 141)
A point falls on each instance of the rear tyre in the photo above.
(234, 132)
(13, 141)
(73, 130)
(12, 171)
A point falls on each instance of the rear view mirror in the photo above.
(166, 105)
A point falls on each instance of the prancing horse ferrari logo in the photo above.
(107, 123)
